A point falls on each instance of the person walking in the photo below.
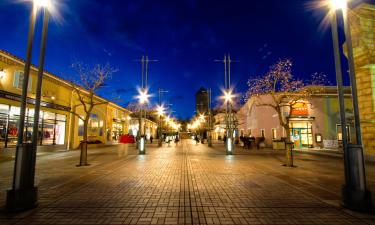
(176, 140)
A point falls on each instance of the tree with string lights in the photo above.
(287, 92)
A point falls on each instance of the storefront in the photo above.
(60, 105)
(117, 129)
(52, 126)
(302, 133)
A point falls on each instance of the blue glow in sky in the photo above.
(186, 36)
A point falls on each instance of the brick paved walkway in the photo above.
(186, 185)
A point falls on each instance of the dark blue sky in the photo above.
(186, 36)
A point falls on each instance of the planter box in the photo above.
(278, 145)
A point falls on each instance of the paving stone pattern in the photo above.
(187, 184)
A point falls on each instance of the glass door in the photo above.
(297, 139)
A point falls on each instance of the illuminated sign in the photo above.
(300, 109)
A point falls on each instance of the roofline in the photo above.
(55, 77)
(347, 93)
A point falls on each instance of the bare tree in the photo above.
(91, 79)
(286, 93)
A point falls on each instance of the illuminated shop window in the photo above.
(51, 126)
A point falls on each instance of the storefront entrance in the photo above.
(117, 130)
(302, 134)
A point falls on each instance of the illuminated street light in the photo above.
(143, 96)
(160, 109)
(43, 3)
(228, 96)
(355, 194)
(339, 4)
(228, 99)
(24, 193)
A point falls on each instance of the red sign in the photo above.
(300, 109)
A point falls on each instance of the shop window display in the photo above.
(4, 114)
(60, 129)
(51, 126)
(94, 128)
(117, 130)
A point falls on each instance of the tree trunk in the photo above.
(83, 156)
(289, 147)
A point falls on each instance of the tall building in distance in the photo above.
(201, 101)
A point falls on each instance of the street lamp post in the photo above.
(39, 83)
(209, 119)
(143, 99)
(354, 192)
(24, 195)
(229, 146)
(160, 112)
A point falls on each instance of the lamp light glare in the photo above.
(339, 4)
(143, 96)
(228, 96)
(160, 110)
(43, 3)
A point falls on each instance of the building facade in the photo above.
(201, 101)
(58, 126)
(313, 123)
(362, 21)
(150, 127)
(220, 125)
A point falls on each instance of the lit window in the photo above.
(274, 133)
(18, 80)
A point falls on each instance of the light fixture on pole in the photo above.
(46, 4)
(161, 112)
(228, 96)
(338, 5)
(228, 104)
(143, 99)
(354, 192)
(209, 119)
(23, 195)
(143, 96)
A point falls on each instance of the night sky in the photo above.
(186, 36)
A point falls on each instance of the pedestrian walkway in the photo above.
(188, 184)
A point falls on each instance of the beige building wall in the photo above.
(323, 118)
(362, 20)
(59, 96)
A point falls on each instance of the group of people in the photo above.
(247, 141)
(171, 138)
